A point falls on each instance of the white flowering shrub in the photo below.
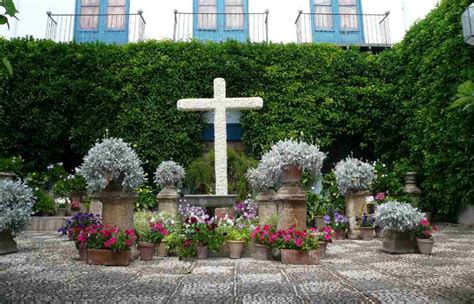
(261, 178)
(16, 203)
(169, 173)
(112, 160)
(398, 216)
(353, 175)
(290, 152)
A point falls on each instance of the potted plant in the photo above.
(367, 227)
(62, 205)
(236, 238)
(298, 247)
(399, 220)
(112, 169)
(424, 236)
(107, 246)
(264, 237)
(16, 202)
(169, 224)
(169, 176)
(325, 236)
(75, 226)
(339, 223)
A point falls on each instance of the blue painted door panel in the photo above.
(330, 29)
(217, 27)
(103, 27)
(234, 132)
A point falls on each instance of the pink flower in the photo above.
(110, 242)
(298, 242)
(129, 243)
(286, 238)
(424, 222)
(380, 196)
(130, 232)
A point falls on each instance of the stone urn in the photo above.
(399, 242)
(292, 199)
(167, 199)
(7, 243)
(356, 205)
(267, 202)
(411, 188)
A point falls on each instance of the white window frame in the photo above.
(234, 21)
(349, 21)
(206, 20)
(88, 20)
(323, 21)
(116, 21)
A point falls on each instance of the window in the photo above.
(323, 18)
(89, 19)
(234, 18)
(349, 17)
(116, 10)
(207, 18)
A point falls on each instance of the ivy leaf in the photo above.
(4, 20)
(8, 66)
(10, 7)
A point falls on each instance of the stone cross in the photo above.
(220, 104)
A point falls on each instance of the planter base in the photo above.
(108, 258)
(399, 242)
(297, 257)
(262, 252)
(7, 243)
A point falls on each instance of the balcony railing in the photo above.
(109, 28)
(251, 27)
(372, 30)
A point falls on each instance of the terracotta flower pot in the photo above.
(82, 254)
(262, 252)
(146, 250)
(340, 234)
(235, 249)
(322, 249)
(367, 233)
(202, 252)
(162, 250)
(425, 246)
(107, 257)
(299, 257)
(378, 232)
(61, 212)
(291, 174)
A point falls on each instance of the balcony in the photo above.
(107, 28)
(219, 27)
(365, 30)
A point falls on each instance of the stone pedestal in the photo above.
(267, 202)
(292, 199)
(7, 243)
(167, 200)
(399, 242)
(118, 208)
(411, 188)
(356, 206)
(96, 207)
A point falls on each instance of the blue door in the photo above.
(102, 20)
(337, 21)
(234, 128)
(220, 20)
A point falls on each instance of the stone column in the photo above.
(167, 200)
(356, 205)
(267, 202)
(292, 199)
(411, 188)
(118, 208)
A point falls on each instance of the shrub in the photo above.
(146, 198)
(112, 160)
(169, 173)
(353, 175)
(11, 165)
(68, 185)
(44, 204)
(16, 201)
(394, 215)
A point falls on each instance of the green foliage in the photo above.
(44, 204)
(423, 73)
(146, 198)
(11, 165)
(200, 175)
(465, 96)
(10, 12)
(72, 183)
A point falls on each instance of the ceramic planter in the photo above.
(425, 246)
(146, 250)
(235, 249)
(367, 233)
(162, 250)
(7, 243)
(322, 249)
(202, 252)
(262, 252)
(399, 242)
(340, 234)
(107, 257)
(299, 257)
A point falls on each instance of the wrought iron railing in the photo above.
(251, 27)
(89, 27)
(344, 29)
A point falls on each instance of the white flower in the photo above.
(369, 199)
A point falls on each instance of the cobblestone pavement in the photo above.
(45, 270)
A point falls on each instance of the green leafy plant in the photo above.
(465, 96)
(68, 185)
(146, 198)
(12, 164)
(10, 12)
(236, 233)
(44, 204)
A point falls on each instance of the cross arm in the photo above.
(196, 104)
(244, 103)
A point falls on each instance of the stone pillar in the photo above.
(96, 207)
(118, 208)
(356, 205)
(267, 202)
(292, 199)
(411, 188)
(167, 200)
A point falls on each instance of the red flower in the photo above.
(424, 222)
(298, 242)
(110, 242)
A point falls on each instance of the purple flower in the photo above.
(327, 219)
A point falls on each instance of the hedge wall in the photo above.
(63, 97)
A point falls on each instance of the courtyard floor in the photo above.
(45, 270)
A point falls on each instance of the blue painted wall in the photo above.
(101, 33)
(221, 33)
(336, 34)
